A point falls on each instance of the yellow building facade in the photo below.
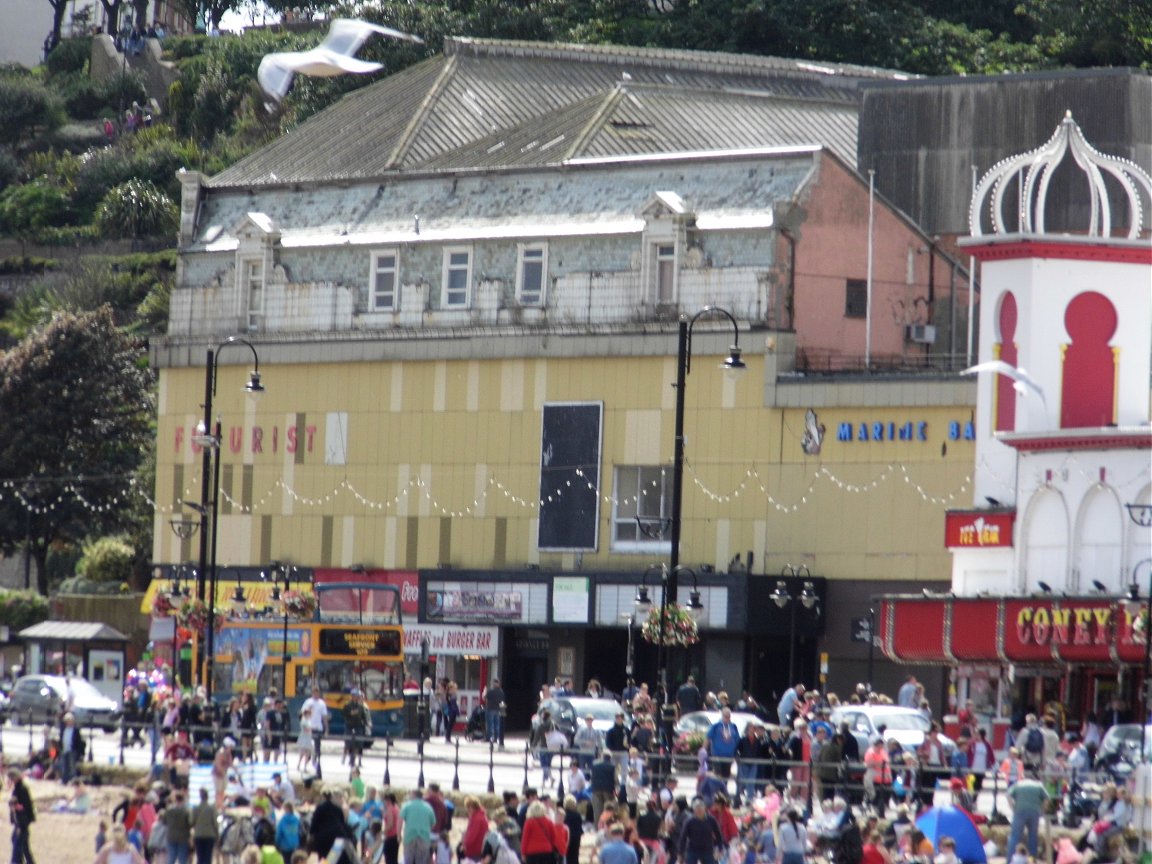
(422, 463)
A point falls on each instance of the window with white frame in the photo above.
(643, 507)
(385, 279)
(457, 277)
(664, 272)
(531, 273)
(254, 290)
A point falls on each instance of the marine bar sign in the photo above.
(360, 643)
(1029, 631)
(978, 529)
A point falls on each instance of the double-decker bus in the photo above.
(254, 655)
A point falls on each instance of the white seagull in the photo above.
(1022, 381)
(331, 57)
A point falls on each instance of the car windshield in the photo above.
(901, 722)
(600, 709)
(84, 690)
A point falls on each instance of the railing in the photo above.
(801, 784)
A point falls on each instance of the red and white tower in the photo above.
(1062, 416)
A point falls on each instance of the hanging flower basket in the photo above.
(297, 604)
(679, 627)
(162, 605)
(193, 616)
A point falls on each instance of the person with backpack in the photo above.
(1033, 740)
(496, 849)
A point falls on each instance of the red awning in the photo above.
(1034, 631)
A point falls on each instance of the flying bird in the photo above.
(1023, 383)
(331, 57)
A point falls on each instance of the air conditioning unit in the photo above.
(925, 333)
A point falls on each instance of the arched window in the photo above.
(1005, 349)
(1088, 396)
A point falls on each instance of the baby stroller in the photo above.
(477, 728)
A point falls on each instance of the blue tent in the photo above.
(953, 822)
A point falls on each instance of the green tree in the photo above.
(77, 399)
(106, 559)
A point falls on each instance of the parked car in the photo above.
(906, 725)
(1119, 749)
(569, 711)
(40, 699)
(701, 721)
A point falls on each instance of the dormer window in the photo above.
(666, 222)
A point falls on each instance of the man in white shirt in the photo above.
(316, 711)
(282, 790)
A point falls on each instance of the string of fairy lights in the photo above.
(752, 482)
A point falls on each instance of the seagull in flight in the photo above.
(1023, 383)
(331, 57)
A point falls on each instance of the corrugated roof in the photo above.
(635, 119)
(480, 89)
(73, 631)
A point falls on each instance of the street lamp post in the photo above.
(279, 569)
(664, 701)
(208, 438)
(733, 363)
(807, 598)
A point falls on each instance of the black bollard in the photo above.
(560, 782)
(420, 753)
(524, 788)
(491, 778)
(456, 776)
(736, 766)
(387, 761)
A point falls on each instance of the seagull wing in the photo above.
(1024, 382)
(275, 78)
(322, 63)
(331, 57)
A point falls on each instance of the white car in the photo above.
(41, 699)
(702, 721)
(906, 725)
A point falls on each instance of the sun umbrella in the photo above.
(953, 822)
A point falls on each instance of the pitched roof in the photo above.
(428, 115)
(73, 631)
(633, 119)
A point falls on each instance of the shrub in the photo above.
(107, 559)
(33, 206)
(9, 169)
(26, 106)
(71, 55)
(136, 209)
(83, 98)
(21, 609)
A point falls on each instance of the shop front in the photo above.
(1011, 655)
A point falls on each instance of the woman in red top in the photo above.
(391, 829)
(476, 830)
(729, 830)
(874, 851)
(542, 839)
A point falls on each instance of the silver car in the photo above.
(41, 699)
